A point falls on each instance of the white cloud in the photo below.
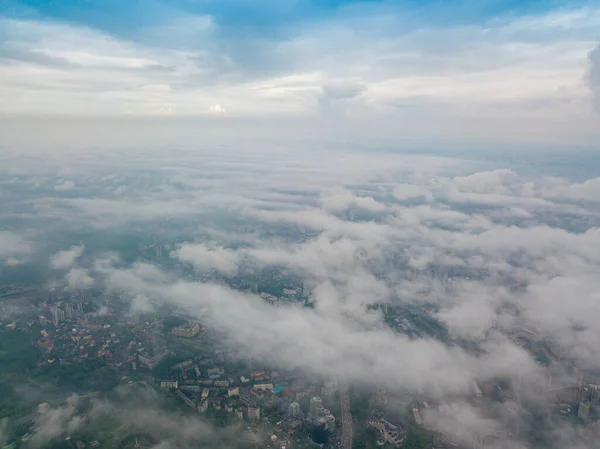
(65, 259)
(389, 76)
(339, 200)
(205, 258)
(79, 278)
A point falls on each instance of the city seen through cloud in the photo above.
(300, 224)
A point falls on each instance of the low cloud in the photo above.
(51, 423)
(79, 278)
(205, 258)
(339, 200)
(138, 410)
(65, 259)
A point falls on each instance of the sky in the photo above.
(526, 68)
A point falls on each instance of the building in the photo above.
(151, 362)
(320, 432)
(330, 422)
(381, 397)
(169, 384)
(476, 390)
(205, 393)
(417, 416)
(202, 406)
(294, 410)
(316, 408)
(235, 391)
(182, 365)
(263, 387)
(69, 311)
(258, 394)
(239, 412)
(58, 316)
(253, 413)
(387, 432)
(188, 330)
(187, 400)
(583, 411)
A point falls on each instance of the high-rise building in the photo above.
(78, 309)
(294, 410)
(52, 295)
(319, 433)
(316, 408)
(381, 397)
(58, 316)
(330, 422)
(69, 311)
(583, 412)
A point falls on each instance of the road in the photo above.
(346, 417)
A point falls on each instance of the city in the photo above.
(274, 224)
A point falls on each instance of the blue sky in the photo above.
(515, 64)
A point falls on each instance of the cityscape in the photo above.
(307, 224)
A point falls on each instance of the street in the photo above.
(346, 417)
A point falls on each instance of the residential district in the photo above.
(87, 341)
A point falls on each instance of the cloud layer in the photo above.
(468, 251)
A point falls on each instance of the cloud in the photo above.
(593, 78)
(414, 75)
(204, 258)
(331, 343)
(64, 186)
(217, 109)
(466, 251)
(338, 201)
(65, 259)
(336, 97)
(13, 248)
(51, 423)
(138, 410)
(342, 90)
(79, 278)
